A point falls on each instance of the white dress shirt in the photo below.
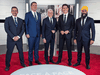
(84, 21)
(35, 14)
(14, 18)
(14, 22)
(50, 20)
(64, 16)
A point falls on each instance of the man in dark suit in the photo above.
(33, 29)
(48, 34)
(14, 28)
(66, 23)
(82, 35)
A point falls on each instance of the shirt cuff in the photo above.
(18, 37)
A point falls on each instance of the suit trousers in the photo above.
(51, 42)
(86, 45)
(10, 47)
(62, 40)
(33, 43)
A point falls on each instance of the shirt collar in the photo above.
(50, 18)
(66, 14)
(14, 17)
(33, 12)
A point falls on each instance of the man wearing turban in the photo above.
(82, 35)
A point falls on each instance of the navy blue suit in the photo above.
(82, 35)
(33, 28)
(69, 25)
(49, 36)
(12, 31)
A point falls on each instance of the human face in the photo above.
(14, 12)
(65, 9)
(34, 7)
(50, 13)
(84, 11)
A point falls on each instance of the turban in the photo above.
(84, 7)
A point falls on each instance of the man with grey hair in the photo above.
(48, 34)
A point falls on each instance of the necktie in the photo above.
(16, 22)
(82, 22)
(64, 18)
(35, 16)
(51, 21)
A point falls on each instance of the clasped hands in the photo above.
(44, 40)
(64, 32)
(16, 38)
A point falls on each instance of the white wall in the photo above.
(53, 2)
(5, 11)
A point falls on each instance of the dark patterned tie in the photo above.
(82, 22)
(64, 18)
(16, 23)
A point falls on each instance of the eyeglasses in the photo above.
(14, 11)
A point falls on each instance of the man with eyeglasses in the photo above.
(82, 35)
(14, 28)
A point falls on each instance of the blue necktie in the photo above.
(16, 22)
(35, 16)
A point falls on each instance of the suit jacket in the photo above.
(12, 30)
(33, 27)
(69, 25)
(84, 31)
(48, 27)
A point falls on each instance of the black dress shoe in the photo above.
(47, 62)
(52, 61)
(23, 65)
(76, 64)
(58, 62)
(87, 67)
(37, 62)
(30, 63)
(7, 68)
(69, 63)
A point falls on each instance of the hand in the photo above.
(91, 42)
(28, 36)
(44, 40)
(75, 41)
(41, 35)
(53, 31)
(62, 32)
(16, 38)
(66, 32)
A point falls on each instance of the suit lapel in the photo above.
(67, 18)
(13, 21)
(32, 15)
(85, 22)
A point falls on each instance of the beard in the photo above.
(84, 15)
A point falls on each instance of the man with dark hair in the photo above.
(14, 28)
(33, 31)
(66, 23)
(82, 35)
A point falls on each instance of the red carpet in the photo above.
(15, 63)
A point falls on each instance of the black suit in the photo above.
(12, 31)
(82, 35)
(69, 25)
(49, 36)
